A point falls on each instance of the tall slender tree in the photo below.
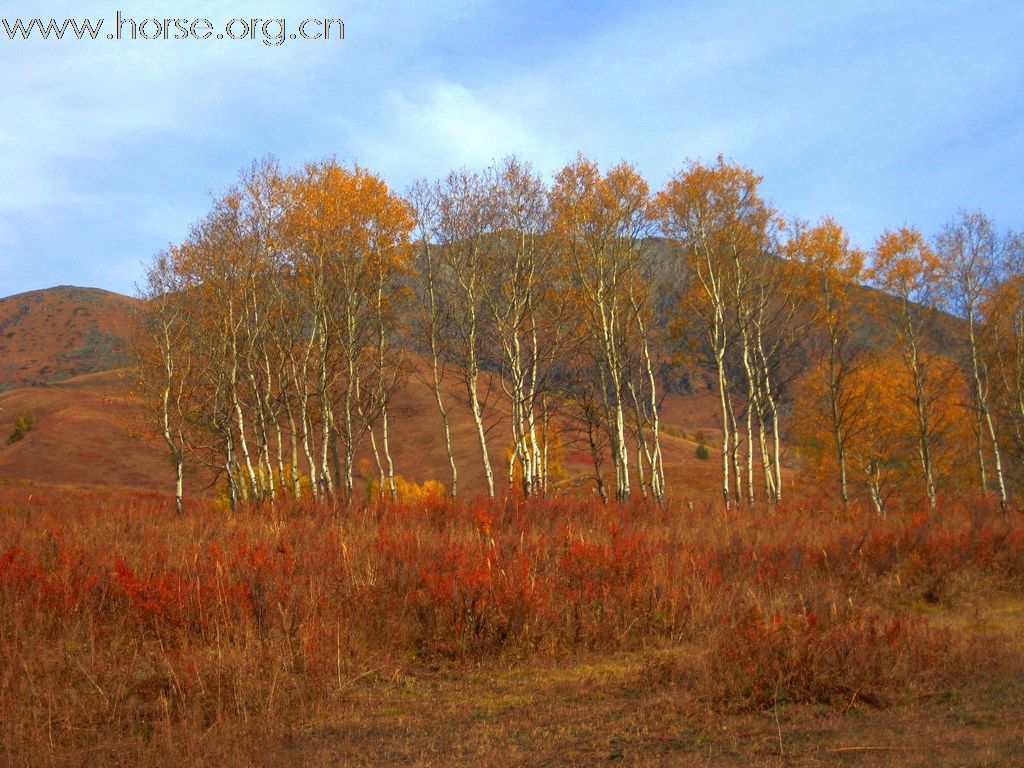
(909, 271)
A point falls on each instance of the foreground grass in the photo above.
(604, 710)
(597, 710)
(512, 633)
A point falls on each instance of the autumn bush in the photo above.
(23, 424)
(122, 623)
(757, 662)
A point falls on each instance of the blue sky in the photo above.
(878, 113)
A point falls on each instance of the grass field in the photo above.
(554, 632)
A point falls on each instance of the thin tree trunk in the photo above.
(478, 420)
(392, 489)
(723, 402)
(435, 368)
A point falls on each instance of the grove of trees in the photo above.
(276, 335)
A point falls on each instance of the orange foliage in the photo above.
(130, 620)
(881, 449)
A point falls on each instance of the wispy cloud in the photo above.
(877, 112)
(441, 125)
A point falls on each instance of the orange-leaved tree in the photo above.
(906, 268)
(830, 270)
(726, 235)
(601, 224)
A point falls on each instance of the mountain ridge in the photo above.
(91, 428)
(54, 334)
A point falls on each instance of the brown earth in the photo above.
(87, 432)
(62, 353)
(55, 334)
(90, 430)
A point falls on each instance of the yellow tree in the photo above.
(880, 446)
(601, 224)
(908, 270)
(830, 270)
(349, 236)
(723, 230)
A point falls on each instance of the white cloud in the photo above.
(843, 107)
(444, 125)
(69, 101)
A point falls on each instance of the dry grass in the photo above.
(549, 632)
(51, 335)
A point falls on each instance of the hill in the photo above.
(90, 431)
(87, 431)
(55, 334)
(63, 353)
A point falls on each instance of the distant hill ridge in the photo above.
(59, 349)
(51, 335)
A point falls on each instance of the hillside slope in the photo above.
(55, 334)
(62, 358)
(90, 431)
(87, 431)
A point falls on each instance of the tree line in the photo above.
(275, 336)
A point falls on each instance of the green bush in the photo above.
(23, 424)
(702, 452)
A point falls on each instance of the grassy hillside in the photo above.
(62, 357)
(90, 430)
(55, 334)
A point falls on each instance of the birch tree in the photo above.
(528, 316)
(906, 268)
(601, 223)
(165, 360)
(1002, 348)
(718, 224)
(971, 253)
(832, 269)
(434, 319)
(464, 231)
